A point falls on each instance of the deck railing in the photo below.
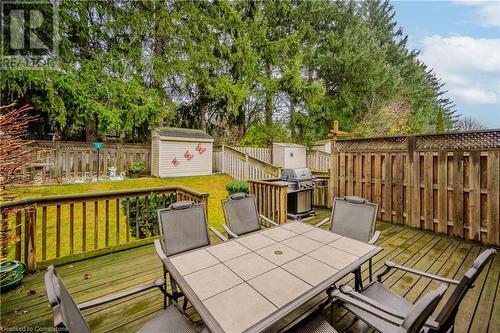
(242, 166)
(244, 163)
(67, 227)
(262, 153)
(271, 197)
(318, 160)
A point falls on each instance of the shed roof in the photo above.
(182, 133)
(288, 144)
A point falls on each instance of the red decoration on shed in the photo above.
(200, 149)
(187, 155)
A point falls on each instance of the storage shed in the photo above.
(180, 152)
(289, 155)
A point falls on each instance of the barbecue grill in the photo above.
(300, 192)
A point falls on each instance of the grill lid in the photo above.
(298, 174)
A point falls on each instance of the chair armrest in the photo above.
(218, 234)
(159, 250)
(373, 307)
(229, 231)
(268, 220)
(347, 290)
(392, 265)
(375, 237)
(158, 283)
(317, 225)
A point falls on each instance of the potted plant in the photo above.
(135, 169)
(238, 186)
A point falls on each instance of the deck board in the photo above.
(438, 254)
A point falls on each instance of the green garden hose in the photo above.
(11, 274)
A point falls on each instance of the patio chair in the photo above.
(411, 322)
(68, 318)
(183, 227)
(241, 215)
(354, 217)
(444, 320)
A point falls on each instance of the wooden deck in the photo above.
(480, 311)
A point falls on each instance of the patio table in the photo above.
(249, 283)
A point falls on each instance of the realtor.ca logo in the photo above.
(29, 34)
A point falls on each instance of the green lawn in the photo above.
(214, 185)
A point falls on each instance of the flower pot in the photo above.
(134, 175)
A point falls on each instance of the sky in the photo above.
(460, 40)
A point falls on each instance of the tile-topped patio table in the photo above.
(249, 283)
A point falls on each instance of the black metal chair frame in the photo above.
(374, 234)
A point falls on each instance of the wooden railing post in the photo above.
(4, 232)
(29, 239)
(332, 184)
(246, 168)
(283, 208)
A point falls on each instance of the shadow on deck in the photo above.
(27, 305)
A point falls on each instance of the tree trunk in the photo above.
(293, 129)
(269, 98)
(203, 110)
(91, 130)
(240, 121)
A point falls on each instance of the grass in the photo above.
(214, 185)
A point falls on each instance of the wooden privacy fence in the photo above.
(69, 159)
(242, 166)
(447, 183)
(64, 228)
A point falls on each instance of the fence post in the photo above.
(223, 158)
(332, 185)
(413, 208)
(119, 160)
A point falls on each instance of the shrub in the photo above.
(235, 187)
(136, 167)
(260, 135)
(148, 218)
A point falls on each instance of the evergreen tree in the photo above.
(226, 66)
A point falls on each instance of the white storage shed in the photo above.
(180, 152)
(289, 155)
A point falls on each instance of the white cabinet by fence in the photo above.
(180, 152)
(289, 155)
